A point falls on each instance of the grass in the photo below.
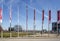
(15, 34)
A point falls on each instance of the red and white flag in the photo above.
(0, 15)
(42, 15)
(49, 15)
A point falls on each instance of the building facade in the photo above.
(54, 27)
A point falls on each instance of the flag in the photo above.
(10, 15)
(26, 13)
(58, 15)
(0, 15)
(34, 14)
(49, 15)
(42, 15)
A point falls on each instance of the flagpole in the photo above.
(1, 30)
(48, 28)
(57, 22)
(49, 20)
(26, 18)
(42, 21)
(10, 22)
(58, 12)
(1, 20)
(34, 20)
(18, 21)
(10, 30)
(1, 23)
(57, 28)
(42, 29)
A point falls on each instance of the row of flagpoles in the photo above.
(49, 20)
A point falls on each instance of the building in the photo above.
(54, 27)
(15, 28)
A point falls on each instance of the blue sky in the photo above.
(39, 5)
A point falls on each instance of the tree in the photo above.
(1, 28)
(12, 29)
(16, 27)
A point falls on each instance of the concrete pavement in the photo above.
(22, 39)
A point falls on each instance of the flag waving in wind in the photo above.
(49, 15)
(34, 14)
(49, 21)
(10, 15)
(42, 15)
(58, 15)
(0, 15)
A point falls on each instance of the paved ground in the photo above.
(17, 39)
(35, 38)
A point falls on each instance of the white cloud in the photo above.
(37, 10)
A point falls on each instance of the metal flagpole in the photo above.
(49, 20)
(34, 20)
(10, 21)
(57, 28)
(42, 28)
(48, 28)
(1, 11)
(57, 22)
(18, 21)
(1, 20)
(42, 21)
(58, 18)
(10, 30)
(26, 17)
